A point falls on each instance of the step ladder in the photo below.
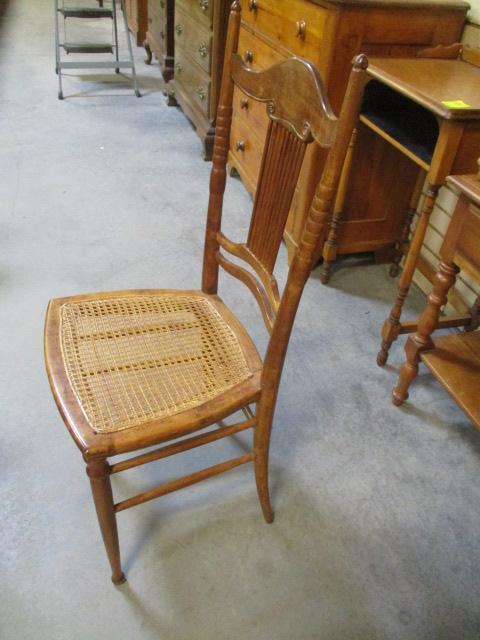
(62, 10)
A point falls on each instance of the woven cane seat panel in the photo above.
(134, 359)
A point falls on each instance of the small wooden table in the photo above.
(453, 359)
(446, 95)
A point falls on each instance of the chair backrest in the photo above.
(299, 114)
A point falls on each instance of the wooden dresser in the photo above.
(329, 33)
(199, 31)
(159, 38)
(137, 19)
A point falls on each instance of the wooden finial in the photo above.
(360, 61)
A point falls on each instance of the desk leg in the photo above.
(402, 244)
(449, 137)
(330, 247)
(391, 326)
(421, 340)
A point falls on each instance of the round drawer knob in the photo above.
(201, 93)
(240, 145)
(179, 29)
(203, 49)
(178, 67)
(252, 5)
(244, 103)
(301, 29)
(203, 4)
(248, 56)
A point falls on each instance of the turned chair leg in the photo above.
(261, 448)
(421, 340)
(99, 473)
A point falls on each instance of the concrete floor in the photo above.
(377, 518)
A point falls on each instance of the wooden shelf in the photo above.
(406, 125)
(455, 362)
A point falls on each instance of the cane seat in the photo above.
(133, 358)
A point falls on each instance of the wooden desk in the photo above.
(453, 359)
(427, 84)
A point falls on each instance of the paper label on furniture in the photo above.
(455, 104)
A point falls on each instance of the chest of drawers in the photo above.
(159, 38)
(199, 35)
(137, 19)
(330, 34)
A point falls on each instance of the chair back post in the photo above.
(218, 174)
(321, 206)
(317, 219)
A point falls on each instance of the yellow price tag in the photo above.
(455, 104)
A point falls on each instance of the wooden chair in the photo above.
(453, 359)
(132, 369)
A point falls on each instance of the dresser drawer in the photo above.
(297, 25)
(245, 148)
(193, 80)
(193, 38)
(157, 23)
(252, 112)
(200, 10)
(256, 52)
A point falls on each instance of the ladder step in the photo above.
(111, 48)
(85, 12)
(87, 47)
(103, 64)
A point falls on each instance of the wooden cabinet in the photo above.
(137, 19)
(199, 39)
(159, 38)
(330, 34)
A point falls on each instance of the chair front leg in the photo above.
(99, 473)
(261, 445)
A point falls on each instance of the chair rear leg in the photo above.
(99, 473)
(261, 448)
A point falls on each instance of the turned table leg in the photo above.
(409, 214)
(99, 473)
(330, 247)
(391, 326)
(421, 340)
